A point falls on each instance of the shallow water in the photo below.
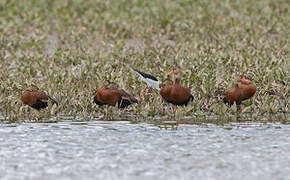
(120, 150)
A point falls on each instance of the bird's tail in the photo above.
(53, 101)
(225, 101)
(191, 98)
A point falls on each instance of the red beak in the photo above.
(244, 79)
(171, 72)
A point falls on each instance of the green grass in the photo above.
(69, 48)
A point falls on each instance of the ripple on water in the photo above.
(120, 150)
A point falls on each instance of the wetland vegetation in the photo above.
(69, 48)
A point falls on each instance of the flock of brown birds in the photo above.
(171, 92)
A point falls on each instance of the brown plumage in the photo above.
(35, 98)
(110, 94)
(165, 89)
(241, 91)
(175, 93)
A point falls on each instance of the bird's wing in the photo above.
(125, 95)
(41, 95)
(149, 79)
(44, 97)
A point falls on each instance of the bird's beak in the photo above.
(244, 80)
(171, 72)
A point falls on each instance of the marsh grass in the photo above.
(68, 48)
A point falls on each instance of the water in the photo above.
(120, 150)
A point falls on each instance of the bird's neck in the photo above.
(177, 80)
(178, 77)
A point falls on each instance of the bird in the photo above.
(110, 94)
(35, 98)
(175, 93)
(165, 88)
(150, 80)
(171, 92)
(242, 90)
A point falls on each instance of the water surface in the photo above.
(121, 150)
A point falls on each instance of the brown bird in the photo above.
(242, 90)
(165, 89)
(175, 93)
(110, 94)
(35, 98)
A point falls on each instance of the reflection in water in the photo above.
(120, 150)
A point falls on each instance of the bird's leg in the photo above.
(238, 108)
(110, 113)
(174, 111)
(141, 92)
(176, 115)
(147, 90)
(36, 115)
(106, 113)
